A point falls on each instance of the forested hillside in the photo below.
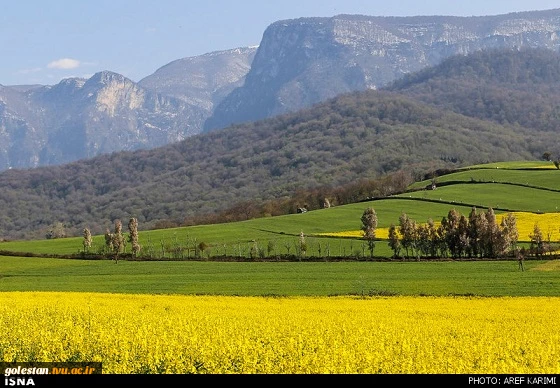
(353, 137)
(510, 87)
(299, 159)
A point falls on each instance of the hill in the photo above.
(512, 87)
(353, 138)
(334, 233)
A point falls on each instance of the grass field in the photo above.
(540, 178)
(518, 186)
(278, 236)
(483, 278)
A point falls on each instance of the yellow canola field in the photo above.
(549, 224)
(258, 335)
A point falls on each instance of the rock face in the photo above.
(204, 80)
(304, 61)
(80, 118)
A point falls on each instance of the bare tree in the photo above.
(118, 240)
(87, 240)
(369, 224)
(133, 236)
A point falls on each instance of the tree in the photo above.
(87, 240)
(546, 156)
(118, 240)
(302, 247)
(108, 241)
(270, 248)
(452, 233)
(407, 232)
(56, 231)
(478, 225)
(510, 233)
(133, 236)
(492, 235)
(433, 240)
(369, 224)
(201, 248)
(537, 241)
(394, 242)
(473, 233)
(462, 231)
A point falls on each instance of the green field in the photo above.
(283, 232)
(485, 195)
(484, 278)
(175, 267)
(544, 179)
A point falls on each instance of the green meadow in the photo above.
(329, 266)
(441, 278)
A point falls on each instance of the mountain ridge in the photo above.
(82, 118)
(344, 53)
(298, 63)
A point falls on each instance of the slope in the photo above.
(518, 87)
(335, 232)
(351, 137)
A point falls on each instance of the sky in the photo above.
(44, 41)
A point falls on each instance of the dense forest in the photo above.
(519, 88)
(356, 145)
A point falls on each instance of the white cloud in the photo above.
(64, 63)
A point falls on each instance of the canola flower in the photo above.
(549, 224)
(258, 335)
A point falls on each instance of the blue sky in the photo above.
(44, 41)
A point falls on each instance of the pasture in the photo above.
(527, 187)
(436, 278)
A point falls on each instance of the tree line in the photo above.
(457, 236)
(115, 242)
(476, 235)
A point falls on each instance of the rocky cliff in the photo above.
(203, 80)
(298, 63)
(304, 61)
(80, 118)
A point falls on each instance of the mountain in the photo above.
(303, 61)
(298, 63)
(203, 80)
(517, 87)
(79, 118)
(352, 137)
